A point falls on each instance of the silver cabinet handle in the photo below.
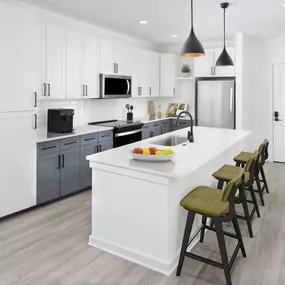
(48, 94)
(150, 91)
(117, 67)
(44, 90)
(173, 90)
(129, 86)
(82, 90)
(212, 70)
(114, 67)
(36, 99)
(139, 91)
(35, 121)
(86, 90)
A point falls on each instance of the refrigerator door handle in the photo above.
(231, 100)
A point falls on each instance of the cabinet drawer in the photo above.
(48, 147)
(146, 127)
(89, 139)
(155, 125)
(165, 123)
(103, 136)
(69, 143)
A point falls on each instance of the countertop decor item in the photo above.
(172, 110)
(182, 107)
(151, 110)
(224, 59)
(192, 46)
(186, 70)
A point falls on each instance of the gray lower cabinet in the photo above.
(146, 131)
(69, 178)
(105, 145)
(48, 177)
(182, 124)
(85, 170)
(155, 129)
(165, 126)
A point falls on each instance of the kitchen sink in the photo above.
(172, 141)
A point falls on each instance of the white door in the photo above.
(20, 40)
(108, 57)
(18, 162)
(168, 73)
(279, 117)
(55, 61)
(203, 66)
(75, 50)
(224, 71)
(91, 72)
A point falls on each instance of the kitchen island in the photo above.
(135, 205)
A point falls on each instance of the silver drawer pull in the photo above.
(106, 136)
(49, 147)
(69, 143)
(89, 139)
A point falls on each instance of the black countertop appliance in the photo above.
(60, 120)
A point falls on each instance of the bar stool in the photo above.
(219, 206)
(226, 173)
(263, 152)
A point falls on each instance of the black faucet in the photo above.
(190, 133)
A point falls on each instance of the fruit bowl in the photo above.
(152, 154)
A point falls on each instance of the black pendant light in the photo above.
(192, 46)
(224, 59)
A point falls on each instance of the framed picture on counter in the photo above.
(182, 107)
(172, 109)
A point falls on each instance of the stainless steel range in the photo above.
(124, 132)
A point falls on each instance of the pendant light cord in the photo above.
(224, 28)
(192, 20)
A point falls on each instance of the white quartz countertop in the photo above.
(209, 143)
(79, 131)
(147, 119)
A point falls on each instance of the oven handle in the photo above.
(128, 133)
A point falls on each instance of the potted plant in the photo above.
(186, 70)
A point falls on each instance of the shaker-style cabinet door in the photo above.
(69, 171)
(106, 145)
(48, 177)
(204, 65)
(20, 49)
(85, 170)
(75, 52)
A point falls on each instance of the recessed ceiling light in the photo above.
(143, 22)
(174, 35)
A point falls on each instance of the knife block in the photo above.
(130, 117)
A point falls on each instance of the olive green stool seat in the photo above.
(219, 206)
(206, 201)
(242, 158)
(226, 173)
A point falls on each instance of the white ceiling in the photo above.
(166, 17)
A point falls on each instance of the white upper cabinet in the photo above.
(75, 53)
(152, 74)
(53, 61)
(115, 58)
(205, 66)
(91, 67)
(20, 41)
(169, 64)
(221, 71)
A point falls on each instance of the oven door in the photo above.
(115, 86)
(128, 137)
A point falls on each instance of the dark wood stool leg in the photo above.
(220, 186)
(202, 234)
(239, 236)
(259, 189)
(223, 250)
(253, 197)
(187, 232)
(264, 179)
(246, 211)
(238, 164)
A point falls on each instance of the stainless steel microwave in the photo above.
(115, 86)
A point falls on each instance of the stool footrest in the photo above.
(194, 236)
(250, 216)
(225, 233)
(234, 255)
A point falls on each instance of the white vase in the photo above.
(184, 74)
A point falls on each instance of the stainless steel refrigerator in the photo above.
(215, 102)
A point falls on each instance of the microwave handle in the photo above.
(129, 86)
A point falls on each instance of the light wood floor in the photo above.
(49, 246)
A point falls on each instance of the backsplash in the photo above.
(88, 110)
